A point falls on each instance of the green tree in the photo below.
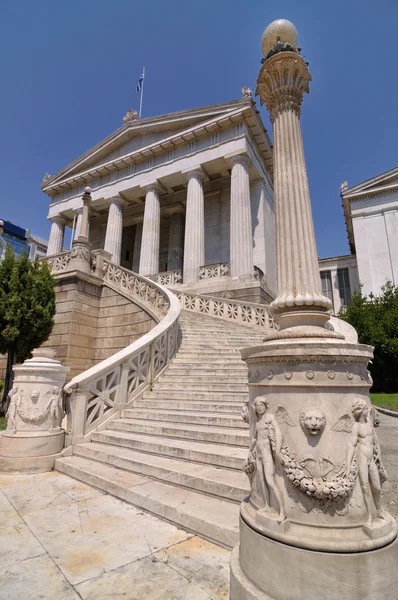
(27, 308)
(376, 320)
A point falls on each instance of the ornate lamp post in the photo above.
(313, 526)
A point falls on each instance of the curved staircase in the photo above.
(178, 453)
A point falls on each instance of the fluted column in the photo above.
(194, 244)
(56, 241)
(137, 247)
(176, 242)
(149, 258)
(241, 238)
(114, 230)
(283, 79)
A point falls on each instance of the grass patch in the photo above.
(3, 423)
(389, 401)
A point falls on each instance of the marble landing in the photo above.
(60, 538)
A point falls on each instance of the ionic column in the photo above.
(283, 79)
(241, 238)
(149, 258)
(194, 244)
(137, 247)
(114, 230)
(176, 242)
(56, 241)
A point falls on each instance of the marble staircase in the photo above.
(179, 452)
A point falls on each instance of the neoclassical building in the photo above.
(186, 198)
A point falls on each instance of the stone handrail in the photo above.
(58, 262)
(248, 314)
(169, 277)
(94, 395)
(215, 270)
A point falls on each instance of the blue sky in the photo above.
(69, 70)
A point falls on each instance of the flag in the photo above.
(139, 84)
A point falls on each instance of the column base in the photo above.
(263, 569)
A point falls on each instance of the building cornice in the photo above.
(244, 111)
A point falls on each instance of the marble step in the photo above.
(187, 416)
(206, 370)
(229, 484)
(212, 518)
(212, 360)
(204, 378)
(201, 387)
(184, 405)
(197, 432)
(214, 396)
(231, 457)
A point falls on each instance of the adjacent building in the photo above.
(21, 240)
(371, 216)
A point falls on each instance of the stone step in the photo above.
(201, 387)
(183, 405)
(230, 484)
(212, 360)
(205, 370)
(206, 378)
(187, 416)
(212, 518)
(231, 457)
(197, 432)
(213, 396)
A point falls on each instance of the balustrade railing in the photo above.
(169, 277)
(96, 394)
(243, 313)
(213, 271)
(59, 262)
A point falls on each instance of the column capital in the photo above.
(154, 186)
(114, 199)
(282, 81)
(61, 220)
(240, 158)
(197, 172)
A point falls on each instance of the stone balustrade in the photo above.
(213, 271)
(59, 262)
(98, 393)
(169, 277)
(242, 313)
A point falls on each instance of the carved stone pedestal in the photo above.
(313, 525)
(34, 437)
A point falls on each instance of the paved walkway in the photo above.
(61, 539)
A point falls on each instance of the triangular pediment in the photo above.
(386, 180)
(143, 133)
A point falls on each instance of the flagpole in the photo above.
(142, 90)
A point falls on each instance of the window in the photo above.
(326, 281)
(343, 282)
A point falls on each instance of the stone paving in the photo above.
(63, 539)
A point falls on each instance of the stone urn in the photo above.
(34, 437)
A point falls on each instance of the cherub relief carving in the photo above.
(14, 397)
(56, 410)
(364, 445)
(265, 447)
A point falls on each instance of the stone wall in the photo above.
(120, 322)
(93, 322)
